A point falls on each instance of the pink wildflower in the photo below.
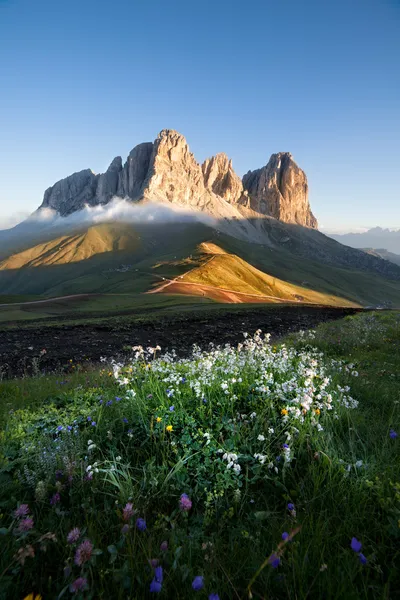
(25, 524)
(185, 502)
(73, 535)
(22, 511)
(78, 585)
(83, 553)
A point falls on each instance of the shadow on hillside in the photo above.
(292, 253)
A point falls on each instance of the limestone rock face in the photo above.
(280, 190)
(72, 193)
(221, 179)
(166, 171)
(107, 186)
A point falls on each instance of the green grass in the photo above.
(237, 519)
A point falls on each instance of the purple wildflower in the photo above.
(25, 525)
(109, 403)
(78, 585)
(118, 399)
(83, 553)
(21, 511)
(355, 545)
(155, 587)
(393, 434)
(128, 511)
(171, 408)
(125, 529)
(164, 546)
(198, 583)
(89, 418)
(158, 574)
(274, 561)
(55, 499)
(125, 420)
(73, 535)
(60, 428)
(93, 423)
(141, 524)
(285, 446)
(285, 536)
(362, 558)
(154, 562)
(59, 474)
(69, 427)
(185, 502)
(213, 597)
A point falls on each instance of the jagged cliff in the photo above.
(166, 171)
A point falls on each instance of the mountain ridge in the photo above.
(166, 171)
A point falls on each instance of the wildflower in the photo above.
(125, 420)
(164, 546)
(362, 558)
(60, 428)
(198, 583)
(274, 561)
(290, 506)
(33, 596)
(158, 419)
(78, 585)
(284, 411)
(169, 428)
(73, 535)
(24, 553)
(285, 536)
(118, 399)
(213, 597)
(25, 525)
(185, 503)
(93, 423)
(355, 545)
(317, 411)
(171, 408)
(158, 574)
(55, 499)
(323, 567)
(83, 553)
(261, 438)
(21, 511)
(141, 524)
(393, 434)
(125, 529)
(155, 587)
(128, 511)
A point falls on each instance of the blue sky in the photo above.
(84, 81)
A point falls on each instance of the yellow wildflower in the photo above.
(33, 596)
(169, 428)
(317, 411)
(158, 419)
(284, 411)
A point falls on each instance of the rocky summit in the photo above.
(166, 171)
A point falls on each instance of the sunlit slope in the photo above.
(97, 239)
(118, 258)
(230, 273)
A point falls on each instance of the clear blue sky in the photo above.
(85, 80)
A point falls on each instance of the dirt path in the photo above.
(47, 300)
(21, 348)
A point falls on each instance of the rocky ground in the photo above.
(44, 349)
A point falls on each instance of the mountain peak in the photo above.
(166, 171)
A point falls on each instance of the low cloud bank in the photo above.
(119, 210)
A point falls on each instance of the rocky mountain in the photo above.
(382, 253)
(377, 237)
(166, 171)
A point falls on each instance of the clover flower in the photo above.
(73, 535)
(25, 525)
(79, 585)
(198, 583)
(83, 553)
(185, 502)
(21, 511)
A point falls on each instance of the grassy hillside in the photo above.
(280, 483)
(134, 259)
